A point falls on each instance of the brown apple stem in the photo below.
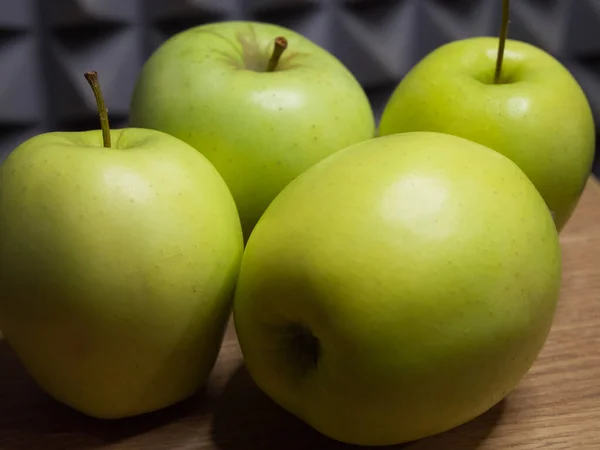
(92, 79)
(280, 46)
(502, 43)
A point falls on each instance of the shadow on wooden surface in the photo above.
(32, 419)
(246, 418)
(240, 415)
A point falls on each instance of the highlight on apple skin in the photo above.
(398, 288)
(260, 112)
(537, 115)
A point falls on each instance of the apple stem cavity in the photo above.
(502, 43)
(92, 79)
(280, 46)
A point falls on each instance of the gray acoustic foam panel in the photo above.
(47, 45)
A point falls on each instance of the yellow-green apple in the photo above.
(261, 102)
(119, 253)
(398, 288)
(510, 96)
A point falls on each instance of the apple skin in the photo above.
(399, 288)
(207, 86)
(117, 267)
(539, 116)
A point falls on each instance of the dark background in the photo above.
(47, 45)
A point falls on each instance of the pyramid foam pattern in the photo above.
(46, 45)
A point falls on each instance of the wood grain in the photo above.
(555, 407)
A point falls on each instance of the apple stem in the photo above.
(92, 79)
(280, 46)
(502, 43)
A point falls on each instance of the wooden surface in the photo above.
(557, 405)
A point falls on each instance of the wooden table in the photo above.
(557, 405)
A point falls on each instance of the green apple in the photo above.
(534, 112)
(261, 102)
(398, 288)
(117, 267)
